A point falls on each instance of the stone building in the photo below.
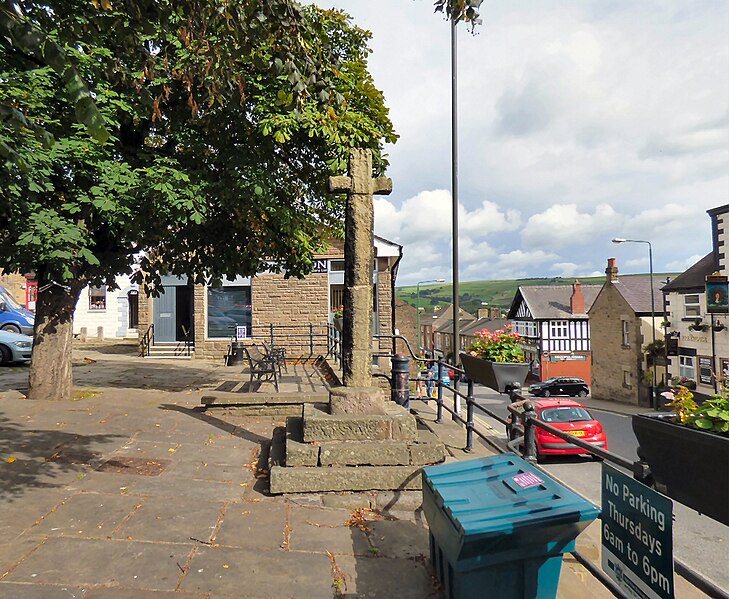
(620, 326)
(553, 322)
(698, 341)
(293, 313)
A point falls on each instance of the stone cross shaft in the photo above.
(358, 264)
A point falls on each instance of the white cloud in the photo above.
(579, 121)
(681, 265)
(564, 224)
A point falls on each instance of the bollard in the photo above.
(237, 355)
(100, 332)
(530, 442)
(400, 380)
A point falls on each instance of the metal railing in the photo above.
(523, 435)
(147, 341)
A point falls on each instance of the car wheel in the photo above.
(5, 355)
(582, 393)
(11, 328)
(546, 393)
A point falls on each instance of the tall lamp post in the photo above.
(417, 301)
(653, 306)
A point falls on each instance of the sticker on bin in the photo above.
(526, 480)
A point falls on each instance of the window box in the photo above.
(496, 375)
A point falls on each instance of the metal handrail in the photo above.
(147, 341)
(530, 422)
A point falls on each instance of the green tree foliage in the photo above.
(202, 133)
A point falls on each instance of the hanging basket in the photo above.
(496, 375)
(689, 465)
(339, 324)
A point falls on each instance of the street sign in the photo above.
(637, 536)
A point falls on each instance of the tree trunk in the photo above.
(50, 375)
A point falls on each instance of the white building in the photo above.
(108, 314)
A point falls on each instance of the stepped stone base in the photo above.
(397, 424)
(352, 465)
(363, 478)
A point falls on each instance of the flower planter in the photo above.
(496, 375)
(687, 464)
(339, 324)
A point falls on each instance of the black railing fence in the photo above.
(521, 428)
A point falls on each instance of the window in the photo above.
(626, 333)
(627, 378)
(525, 328)
(687, 367)
(692, 305)
(558, 329)
(228, 309)
(97, 298)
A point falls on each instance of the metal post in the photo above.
(311, 339)
(400, 382)
(653, 325)
(440, 393)
(417, 307)
(454, 174)
(530, 444)
(271, 334)
(469, 417)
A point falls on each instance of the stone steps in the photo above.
(348, 465)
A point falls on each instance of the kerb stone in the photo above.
(345, 478)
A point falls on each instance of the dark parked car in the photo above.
(561, 385)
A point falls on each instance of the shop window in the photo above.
(229, 312)
(687, 367)
(692, 305)
(97, 298)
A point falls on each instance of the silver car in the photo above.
(14, 347)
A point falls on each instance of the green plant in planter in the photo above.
(498, 346)
(711, 416)
(677, 381)
(338, 313)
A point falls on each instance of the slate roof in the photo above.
(446, 326)
(695, 276)
(636, 290)
(491, 324)
(553, 301)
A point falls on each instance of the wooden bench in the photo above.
(262, 368)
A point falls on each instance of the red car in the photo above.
(570, 417)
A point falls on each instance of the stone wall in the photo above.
(15, 284)
(610, 358)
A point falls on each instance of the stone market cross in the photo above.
(358, 260)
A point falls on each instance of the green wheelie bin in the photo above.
(499, 527)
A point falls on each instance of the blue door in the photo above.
(164, 315)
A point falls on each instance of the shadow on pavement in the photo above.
(33, 458)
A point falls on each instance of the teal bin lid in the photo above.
(502, 494)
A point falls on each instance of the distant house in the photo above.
(554, 324)
(483, 322)
(442, 331)
(620, 325)
(106, 313)
(698, 341)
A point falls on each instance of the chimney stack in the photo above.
(577, 301)
(611, 271)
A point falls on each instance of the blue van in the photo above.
(13, 317)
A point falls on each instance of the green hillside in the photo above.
(496, 293)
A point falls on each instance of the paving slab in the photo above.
(171, 520)
(259, 573)
(323, 529)
(128, 593)
(87, 515)
(258, 522)
(18, 590)
(81, 562)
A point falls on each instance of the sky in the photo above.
(578, 121)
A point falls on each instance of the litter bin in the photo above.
(236, 354)
(499, 527)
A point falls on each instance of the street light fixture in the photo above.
(653, 305)
(417, 301)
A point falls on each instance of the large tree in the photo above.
(199, 133)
